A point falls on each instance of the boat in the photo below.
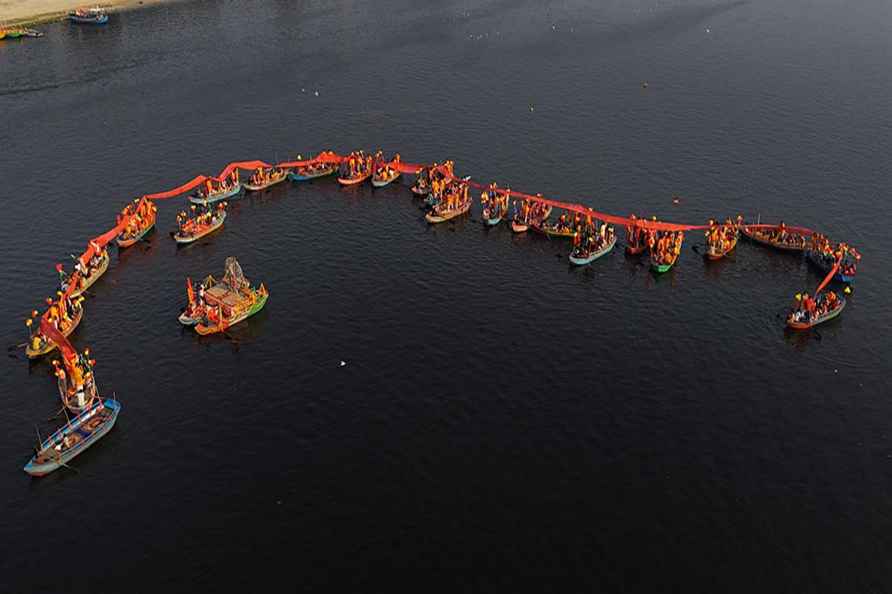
(274, 178)
(230, 301)
(380, 182)
(80, 398)
(75, 437)
(309, 172)
(494, 220)
(87, 281)
(221, 194)
(802, 325)
(717, 254)
(519, 226)
(125, 241)
(825, 262)
(431, 201)
(759, 236)
(434, 216)
(636, 250)
(551, 230)
(196, 232)
(420, 190)
(48, 346)
(591, 257)
(88, 16)
(662, 268)
(352, 181)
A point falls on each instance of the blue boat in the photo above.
(215, 196)
(825, 263)
(88, 16)
(72, 439)
(583, 260)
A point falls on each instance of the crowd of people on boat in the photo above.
(216, 188)
(139, 214)
(61, 314)
(530, 212)
(356, 164)
(635, 235)
(720, 237)
(267, 175)
(782, 236)
(495, 202)
(452, 195)
(809, 309)
(590, 237)
(190, 223)
(77, 386)
(664, 246)
(386, 170)
(828, 254)
(83, 273)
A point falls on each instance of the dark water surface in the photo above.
(501, 420)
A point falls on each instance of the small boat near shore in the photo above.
(216, 196)
(44, 346)
(88, 16)
(74, 438)
(581, 259)
(312, 171)
(264, 179)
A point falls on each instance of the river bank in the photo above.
(35, 12)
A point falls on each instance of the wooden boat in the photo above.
(714, 254)
(125, 242)
(306, 174)
(381, 182)
(273, 180)
(583, 260)
(88, 16)
(182, 237)
(188, 318)
(205, 326)
(492, 221)
(48, 346)
(824, 264)
(68, 442)
(662, 268)
(80, 400)
(434, 217)
(519, 227)
(759, 237)
(551, 231)
(820, 319)
(352, 181)
(87, 281)
(216, 196)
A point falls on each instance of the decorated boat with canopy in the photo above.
(230, 301)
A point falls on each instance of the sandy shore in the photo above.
(29, 12)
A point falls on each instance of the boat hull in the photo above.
(582, 261)
(216, 197)
(519, 227)
(352, 181)
(492, 222)
(420, 192)
(713, 255)
(187, 320)
(434, 218)
(772, 244)
(98, 20)
(635, 250)
(818, 262)
(204, 329)
(47, 461)
(825, 318)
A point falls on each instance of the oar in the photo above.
(56, 416)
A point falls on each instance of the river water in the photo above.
(499, 420)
